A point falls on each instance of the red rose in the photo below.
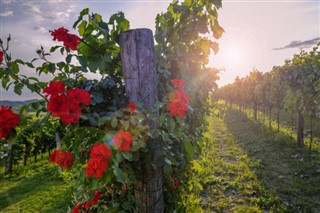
(179, 95)
(63, 158)
(59, 34)
(79, 96)
(8, 120)
(67, 160)
(98, 163)
(178, 103)
(122, 141)
(176, 182)
(55, 103)
(77, 208)
(97, 195)
(99, 151)
(87, 205)
(70, 41)
(96, 167)
(96, 198)
(94, 201)
(178, 108)
(53, 156)
(178, 82)
(70, 112)
(132, 106)
(54, 88)
(1, 57)
(66, 105)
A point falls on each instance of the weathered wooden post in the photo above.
(138, 62)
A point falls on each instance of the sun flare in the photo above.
(232, 55)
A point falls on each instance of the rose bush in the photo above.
(118, 136)
(105, 136)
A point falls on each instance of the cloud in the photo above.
(63, 16)
(7, 1)
(7, 13)
(49, 11)
(40, 29)
(301, 44)
(37, 13)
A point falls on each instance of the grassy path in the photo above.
(230, 185)
(290, 172)
(36, 189)
(249, 169)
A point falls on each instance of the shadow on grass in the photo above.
(291, 172)
(37, 190)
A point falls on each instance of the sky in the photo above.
(258, 33)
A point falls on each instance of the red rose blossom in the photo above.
(66, 105)
(179, 95)
(59, 34)
(54, 88)
(87, 205)
(97, 194)
(178, 103)
(70, 41)
(77, 208)
(132, 106)
(70, 112)
(8, 120)
(178, 82)
(98, 163)
(55, 104)
(63, 158)
(1, 57)
(79, 96)
(176, 183)
(122, 141)
(96, 198)
(95, 201)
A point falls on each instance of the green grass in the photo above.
(290, 172)
(225, 170)
(37, 188)
(247, 167)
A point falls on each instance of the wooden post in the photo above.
(138, 65)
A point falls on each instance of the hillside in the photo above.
(16, 104)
